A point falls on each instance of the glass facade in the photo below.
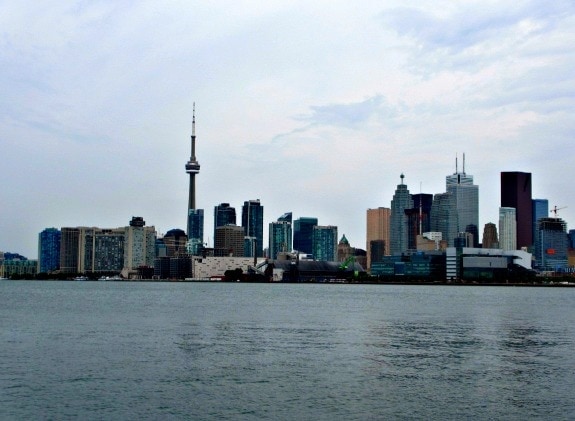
(195, 231)
(551, 244)
(540, 210)
(224, 214)
(303, 234)
(253, 224)
(324, 243)
(443, 210)
(49, 250)
(399, 230)
(466, 197)
(280, 237)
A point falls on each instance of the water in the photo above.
(113, 350)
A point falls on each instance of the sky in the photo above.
(312, 107)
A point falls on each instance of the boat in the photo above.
(81, 278)
(110, 278)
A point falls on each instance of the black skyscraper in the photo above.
(516, 193)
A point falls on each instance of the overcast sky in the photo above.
(312, 107)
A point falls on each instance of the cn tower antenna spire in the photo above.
(192, 166)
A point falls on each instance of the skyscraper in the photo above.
(253, 224)
(230, 239)
(418, 218)
(516, 193)
(551, 244)
(377, 233)
(140, 245)
(507, 229)
(490, 239)
(280, 236)
(398, 226)
(49, 250)
(443, 220)
(466, 196)
(195, 216)
(540, 210)
(325, 243)
(224, 214)
(303, 234)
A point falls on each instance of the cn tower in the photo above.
(192, 168)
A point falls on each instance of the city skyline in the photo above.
(319, 120)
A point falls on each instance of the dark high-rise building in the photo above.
(516, 193)
(195, 216)
(253, 224)
(303, 234)
(418, 218)
(69, 249)
(49, 250)
(224, 214)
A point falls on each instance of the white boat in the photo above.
(110, 278)
(81, 278)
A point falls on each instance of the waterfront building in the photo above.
(516, 193)
(18, 266)
(229, 241)
(551, 244)
(443, 217)
(324, 243)
(70, 249)
(280, 236)
(377, 233)
(195, 222)
(540, 210)
(139, 246)
(398, 235)
(224, 214)
(303, 234)
(101, 250)
(487, 265)
(490, 239)
(253, 224)
(507, 229)
(466, 197)
(49, 250)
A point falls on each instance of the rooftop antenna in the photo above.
(456, 168)
(463, 163)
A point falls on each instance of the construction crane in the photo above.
(555, 209)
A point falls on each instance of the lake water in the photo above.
(122, 350)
